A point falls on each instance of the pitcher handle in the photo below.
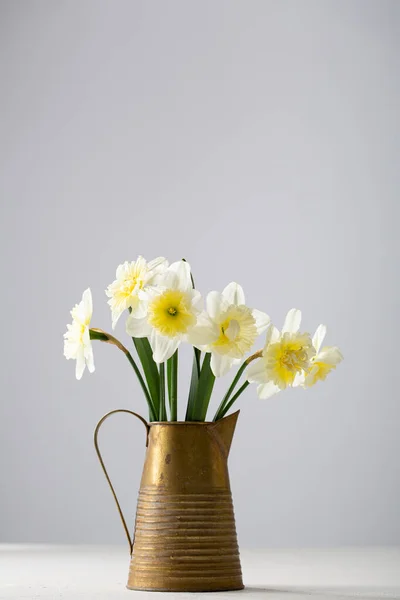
(96, 445)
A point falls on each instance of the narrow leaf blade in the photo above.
(172, 382)
(194, 384)
(150, 369)
(205, 388)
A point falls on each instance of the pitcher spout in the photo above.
(224, 429)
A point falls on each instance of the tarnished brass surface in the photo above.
(185, 535)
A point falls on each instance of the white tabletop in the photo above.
(99, 573)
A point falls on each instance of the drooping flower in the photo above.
(132, 281)
(77, 343)
(228, 329)
(324, 360)
(171, 312)
(285, 358)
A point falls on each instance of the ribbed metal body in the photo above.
(185, 535)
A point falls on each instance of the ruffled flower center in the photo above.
(237, 332)
(287, 357)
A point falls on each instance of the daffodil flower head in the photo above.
(171, 312)
(324, 360)
(286, 356)
(129, 288)
(77, 343)
(228, 328)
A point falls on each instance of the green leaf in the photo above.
(205, 388)
(151, 374)
(162, 413)
(172, 379)
(194, 384)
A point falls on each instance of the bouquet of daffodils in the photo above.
(165, 309)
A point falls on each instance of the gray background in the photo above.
(261, 141)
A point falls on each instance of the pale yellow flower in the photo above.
(228, 329)
(77, 343)
(285, 357)
(132, 281)
(171, 312)
(324, 361)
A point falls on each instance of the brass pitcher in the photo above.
(185, 535)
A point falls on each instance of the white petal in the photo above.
(86, 339)
(182, 269)
(266, 390)
(205, 332)
(121, 270)
(216, 305)
(318, 337)
(87, 302)
(158, 263)
(148, 295)
(80, 363)
(330, 355)
(90, 359)
(197, 301)
(163, 347)
(139, 309)
(292, 321)
(234, 294)
(272, 336)
(256, 372)
(78, 313)
(140, 263)
(220, 365)
(115, 315)
(166, 280)
(262, 320)
(138, 327)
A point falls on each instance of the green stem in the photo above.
(172, 379)
(143, 385)
(229, 392)
(99, 334)
(163, 413)
(222, 409)
(233, 399)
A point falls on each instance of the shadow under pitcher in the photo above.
(185, 535)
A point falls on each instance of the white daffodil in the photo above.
(171, 312)
(324, 360)
(228, 329)
(77, 343)
(285, 358)
(128, 290)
